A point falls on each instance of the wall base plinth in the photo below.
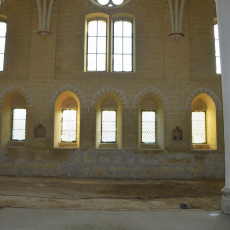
(225, 201)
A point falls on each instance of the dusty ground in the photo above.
(109, 194)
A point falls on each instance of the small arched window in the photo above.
(151, 123)
(67, 121)
(203, 122)
(109, 122)
(14, 120)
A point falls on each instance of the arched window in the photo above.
(3, 29)
(203, 119)
(217, 47)
(122, 45)
(151, 123)
(67, 121)
(120, 56)
(108, 130)
(96, 42)
(14, 120)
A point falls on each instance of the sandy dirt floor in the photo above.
(109, 194)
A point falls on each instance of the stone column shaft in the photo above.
(223, 18)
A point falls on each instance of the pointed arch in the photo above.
(153, 90)
(16, 89)
(206, 91)
(109, 89)
(70, 88)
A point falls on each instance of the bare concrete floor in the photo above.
(109, 194)
(44, 219)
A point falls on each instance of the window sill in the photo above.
(200, 146)
(108, 146)
(67, 145)
(15, 143)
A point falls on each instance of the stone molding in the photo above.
(16, 89)
(109, 89)
(70, 88)
(206, 91)
(155, 91)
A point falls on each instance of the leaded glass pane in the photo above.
(108, 126)
(101, 61)
(92, 61)
(92, 28)
(127, 59)
(101, 45)
(198, 128)
(148, 127)
(118, 45)
(117, 63)
(118, 28)
(127, 30)
(127, 46)
(102, 28)
(19, 124)
(69, 125)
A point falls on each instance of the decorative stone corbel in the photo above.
(44, 15)
(176, 17)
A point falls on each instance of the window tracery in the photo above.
(110, 3)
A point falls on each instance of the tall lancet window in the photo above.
(3, 28)
(96, 45)
(122, 46)
(217, 49)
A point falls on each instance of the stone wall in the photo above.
(40, 69)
